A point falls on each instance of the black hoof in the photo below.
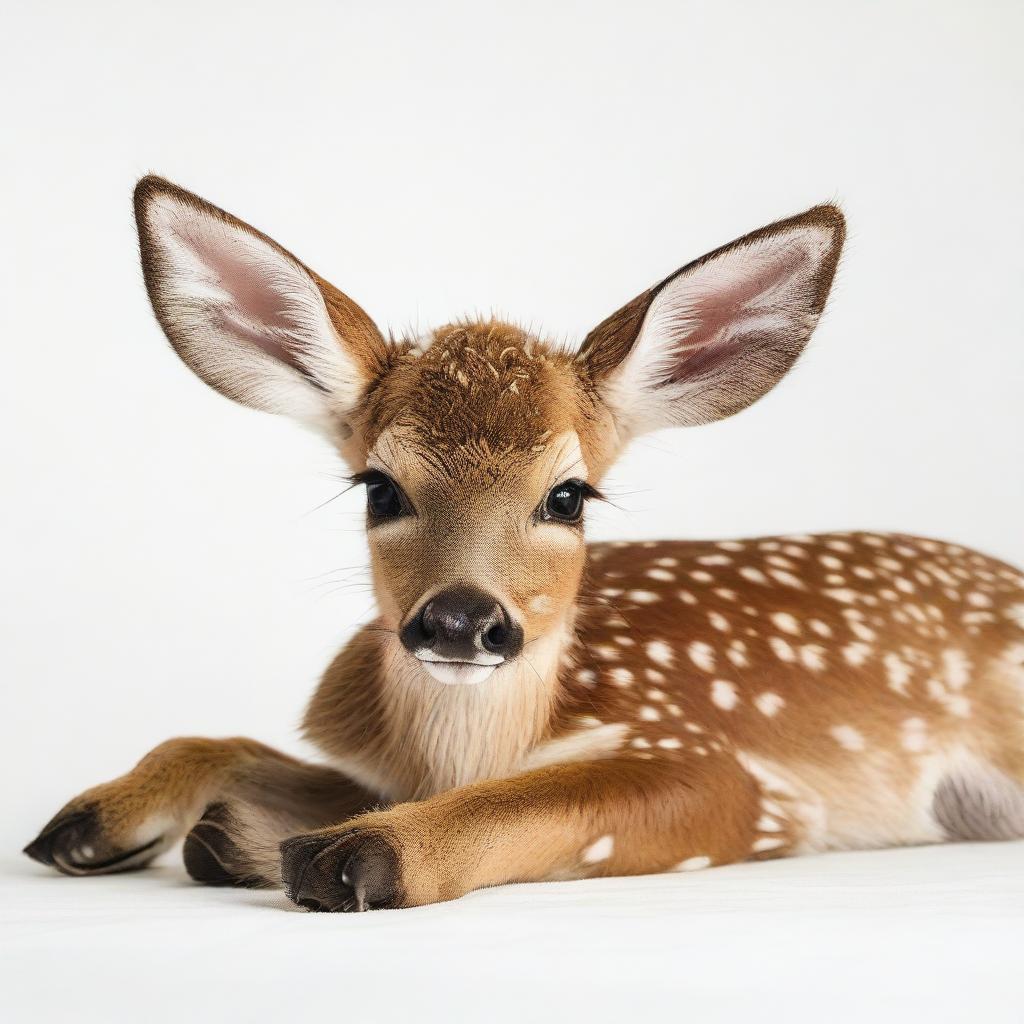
(345, 873)
(74, 843)
(65, 833)
(212, 857)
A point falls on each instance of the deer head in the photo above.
(479, 444)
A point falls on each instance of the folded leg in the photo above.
(123, 824)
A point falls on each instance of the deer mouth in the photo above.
(455, 672)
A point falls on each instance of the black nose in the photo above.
(461, 623)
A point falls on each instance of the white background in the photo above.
(162, 557)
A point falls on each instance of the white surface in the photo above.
(162, 575)
(903, 935)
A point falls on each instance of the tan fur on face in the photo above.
(476, 430)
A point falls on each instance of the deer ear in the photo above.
(247, 317)
(720, 333)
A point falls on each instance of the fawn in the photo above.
(528, 707)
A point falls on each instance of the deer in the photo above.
(527, 707)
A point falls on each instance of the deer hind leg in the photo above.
(983, 799)
(980, 803)
(122, 825)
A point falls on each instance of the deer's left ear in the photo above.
(720, 333)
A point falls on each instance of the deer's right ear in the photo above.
(714, 337)
(247, 317)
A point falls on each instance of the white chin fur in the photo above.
(455, 673)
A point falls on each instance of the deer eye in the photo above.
(384, 498)
(565, 501)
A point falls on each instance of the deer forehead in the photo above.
(477, 401)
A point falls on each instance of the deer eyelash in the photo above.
(368, 476)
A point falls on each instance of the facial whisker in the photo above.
(324, 504)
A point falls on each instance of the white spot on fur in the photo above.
(599, 850)
(724, 695)
(856, 654)
(737, 654)
(702, 655)
(862, 632)
(847, 737)
(782, 648)
(642, 596)
(670, 743)
(786, 622)
(898, 672)
(840, 545)
(587, 745)
(714, 560)
(660, 653)
(660, 574)
(957, 668)
(621, 676)
(767, 843)
(649, 714)
(769, 703)
(693, 864)
(748, 572)
(719, 621)
(813, 657)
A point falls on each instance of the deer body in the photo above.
(846, 690)
(527, 707)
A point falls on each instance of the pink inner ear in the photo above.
(710, 314)
(257, 306)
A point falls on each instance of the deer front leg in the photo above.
(123, 824)
(614, 817)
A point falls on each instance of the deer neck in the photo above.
(448, 736)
